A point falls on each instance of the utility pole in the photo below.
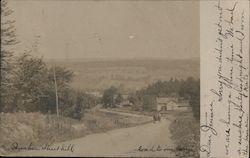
(57, 110)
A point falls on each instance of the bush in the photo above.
(186, 134)
(98, 121)
(37, 128)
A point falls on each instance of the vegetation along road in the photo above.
(152, 139)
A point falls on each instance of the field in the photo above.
(127, 75)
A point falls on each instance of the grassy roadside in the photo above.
(99, 121)
(186, 134)
(39, 129)
(35, 128)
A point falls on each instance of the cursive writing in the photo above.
(224, 120)
(158, 148)
(15, 146)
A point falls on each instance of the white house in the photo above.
(171, 104)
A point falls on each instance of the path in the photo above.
(118, 143)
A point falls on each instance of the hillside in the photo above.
(128, 75)
(40, 129)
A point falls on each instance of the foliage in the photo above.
(164, 88)
(33, 89)
(185, 133)
(189, 89)
(132, 98)
(36, 128)
(8, 40)
(27, 84)
(118, 99)
(148, 103)
(108, 98)
(41, 129)
(82, 102)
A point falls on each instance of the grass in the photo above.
(99, 121)
(26, 128)
(39, 129)
(185, 132)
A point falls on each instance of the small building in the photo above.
(171, 104)
(184, 104)
(125, 103)
(166, 103)
(125, 96)
(96, 94)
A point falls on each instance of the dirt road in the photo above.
(124, 113)
(128, 142)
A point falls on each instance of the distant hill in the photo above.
(128, 74)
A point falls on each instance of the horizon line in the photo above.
(119, 59)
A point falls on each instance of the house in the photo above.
(125, 96)
(171, 104)
(166, 103)
(94, 93)
(125, 103)
(184, 104)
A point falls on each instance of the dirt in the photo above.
(123, 142)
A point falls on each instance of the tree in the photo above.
(148, 103)
(136, 104)
(66, 96)
(83, 102)
(8, 40)
(132, 98)
(31, 84)
(63, 76)
(67, 102)
(108, 98)
(73, 103)
(118, 99)
(190, 89)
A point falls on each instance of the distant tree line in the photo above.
(189, 89)
(145, 99)
(27, 84)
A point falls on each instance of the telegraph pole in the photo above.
(57, 110)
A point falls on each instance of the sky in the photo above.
(83, 29)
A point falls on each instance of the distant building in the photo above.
(184, 104)
(125, 103)
(96, 94)
(125, 96)
(172, 104)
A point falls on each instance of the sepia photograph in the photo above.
(100, 78)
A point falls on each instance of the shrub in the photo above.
(185, 132)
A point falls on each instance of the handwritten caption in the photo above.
(45, 147)
(159, 148)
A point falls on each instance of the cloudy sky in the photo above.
(107, 29)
